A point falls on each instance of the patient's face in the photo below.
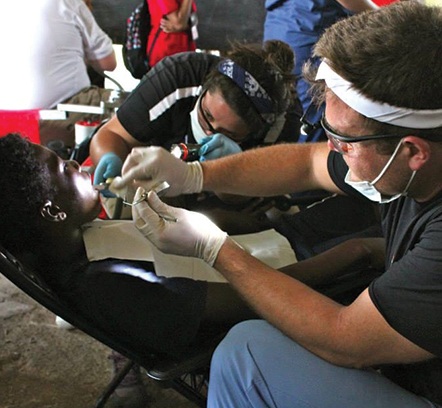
(75, 194)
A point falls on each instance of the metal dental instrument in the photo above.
(160, 189)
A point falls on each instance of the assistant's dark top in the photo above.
(155, 314)
(409, 293)
(157, 110)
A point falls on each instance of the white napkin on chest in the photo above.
(121, 240)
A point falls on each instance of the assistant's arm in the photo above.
(353, 254)
(112, 137)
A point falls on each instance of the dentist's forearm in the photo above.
(269, 171)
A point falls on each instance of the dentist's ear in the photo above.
(419, 151)
(52, 212)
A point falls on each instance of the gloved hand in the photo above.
(110, 165)
(217, 146)
(148, 166)
(177, 231)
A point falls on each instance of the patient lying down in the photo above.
(47, 202)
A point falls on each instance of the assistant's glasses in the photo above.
(205, 118)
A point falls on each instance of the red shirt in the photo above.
(167, 43)
(383, 2)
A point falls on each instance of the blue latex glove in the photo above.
(217, 146)
(110, 165)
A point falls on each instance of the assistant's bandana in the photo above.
(250, 86)
(382, 112)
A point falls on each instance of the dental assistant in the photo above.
(228, 104)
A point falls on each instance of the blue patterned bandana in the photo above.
(250, 86)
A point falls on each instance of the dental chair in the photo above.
(187, 374)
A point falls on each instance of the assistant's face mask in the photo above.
(367, 188)
(197, 130)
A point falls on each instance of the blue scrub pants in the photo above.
(257, 366)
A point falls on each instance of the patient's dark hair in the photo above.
(25, 186)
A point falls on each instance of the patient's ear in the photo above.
(52, 212)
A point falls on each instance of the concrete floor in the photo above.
(43, 366)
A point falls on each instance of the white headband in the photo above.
(382, 112)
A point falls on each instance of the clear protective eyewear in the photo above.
(342, 144)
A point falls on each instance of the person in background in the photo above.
(173, 28)
(300, 23)
(383, 121)
(48, 53)
(96, 77)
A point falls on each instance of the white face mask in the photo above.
(197, 130)
(367, 188)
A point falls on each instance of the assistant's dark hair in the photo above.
(25, 186)
(271, 64)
